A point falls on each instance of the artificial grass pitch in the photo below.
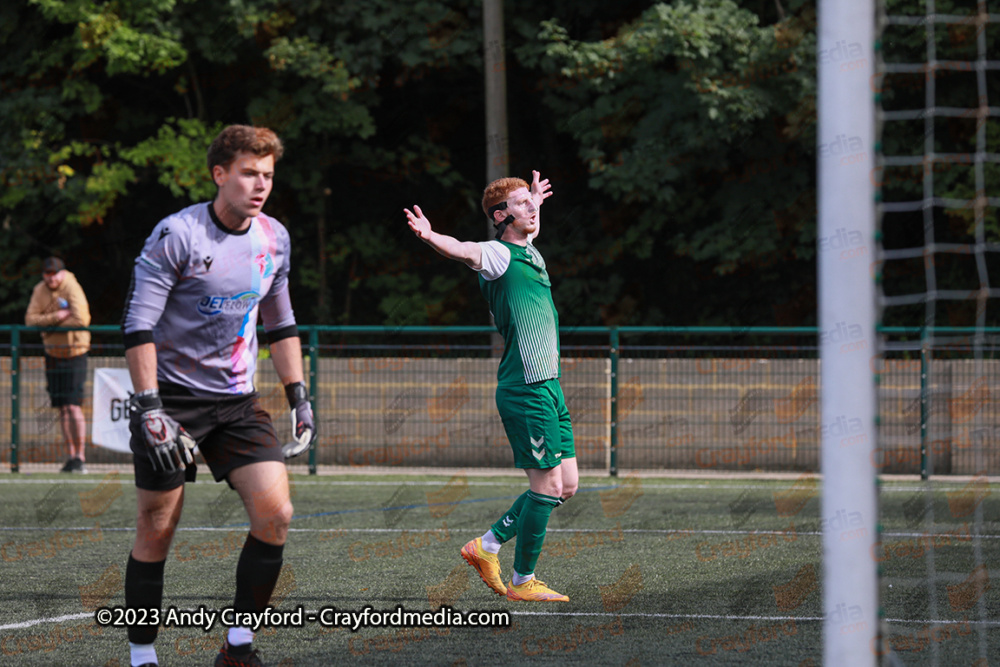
(658, 571)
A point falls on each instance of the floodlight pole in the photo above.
(847, 316)
(497, 144)
(495, 75)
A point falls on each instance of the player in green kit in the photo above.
(513, 280)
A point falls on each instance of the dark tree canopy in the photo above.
(679, 138)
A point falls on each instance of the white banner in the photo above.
(112, 388)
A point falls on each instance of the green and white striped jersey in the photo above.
(516, 285)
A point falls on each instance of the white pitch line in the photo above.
(73, 617)
(609, 614)
(955, 538)
(619, 482)
(515, 482)
(634, 531)
(712, 617)
(218, 529)
(222, 529)
(75, 480)
(214, 485)
(987, 623)
(727, 617)
(39, 621)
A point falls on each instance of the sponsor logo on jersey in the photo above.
(535, 256)
(536, 260)
(240, 303)
(265, 264)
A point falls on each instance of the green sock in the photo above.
(505, 528)
(533, 519)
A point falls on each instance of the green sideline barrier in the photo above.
(617, 346)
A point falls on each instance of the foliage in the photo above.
(680, 140)
(697, 123)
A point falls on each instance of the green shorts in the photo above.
(537, 423)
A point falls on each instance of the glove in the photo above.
(168, 445)
(303, 424)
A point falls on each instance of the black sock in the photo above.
(256, 574)
(143, 590)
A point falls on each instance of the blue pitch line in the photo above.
(408, 507)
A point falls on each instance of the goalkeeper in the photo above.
(190, 329)
(513, 279)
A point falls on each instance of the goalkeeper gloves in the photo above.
(303, 424)
(167, 443)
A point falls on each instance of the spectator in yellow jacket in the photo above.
(59, 301)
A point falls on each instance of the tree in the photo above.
(110, 109)
(679, 139)
(697, 128)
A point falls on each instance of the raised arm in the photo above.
(463, 251)
(540, 191)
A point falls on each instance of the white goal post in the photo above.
(847, 317)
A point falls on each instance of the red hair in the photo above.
(499, 190)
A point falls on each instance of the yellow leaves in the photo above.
(65, 171)
(100, 27)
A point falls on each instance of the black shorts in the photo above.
(65, 378)
(231, 432)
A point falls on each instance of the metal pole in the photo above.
(497, 144)
(495, 79)
(15, 389)
(313, 388)
(924, 403)
(614, 402)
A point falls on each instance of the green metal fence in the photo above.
(938, 401)
(641, 398)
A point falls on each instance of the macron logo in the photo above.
(507, 521)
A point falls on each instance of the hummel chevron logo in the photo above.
(536, 447)
(163, 232)
(507, 521)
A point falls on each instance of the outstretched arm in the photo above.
(450, 247)
(540, 191)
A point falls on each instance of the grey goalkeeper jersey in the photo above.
(196, 291)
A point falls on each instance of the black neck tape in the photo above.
(502, 225)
